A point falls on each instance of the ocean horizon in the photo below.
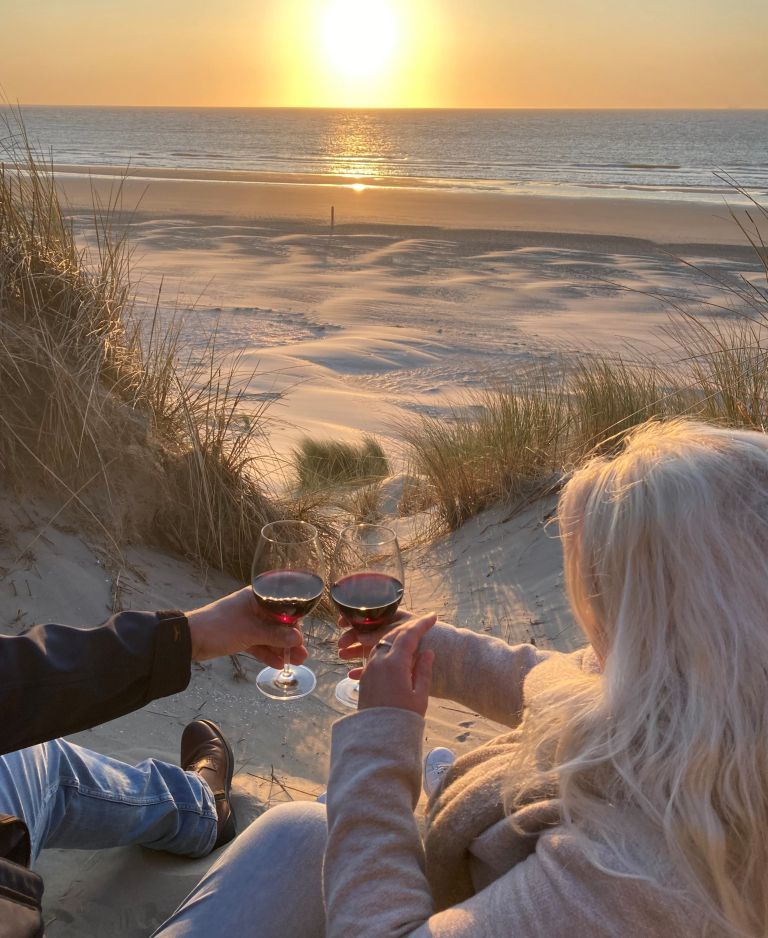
(669, 154)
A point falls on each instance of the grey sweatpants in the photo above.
(267, 883)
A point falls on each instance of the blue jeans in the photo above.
(73, 798)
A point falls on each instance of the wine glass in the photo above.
(287, 581)
(366, 585)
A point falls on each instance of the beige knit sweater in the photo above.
(540, 886)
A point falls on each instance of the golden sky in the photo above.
(386, 53)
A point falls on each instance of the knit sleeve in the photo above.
(483, 673)
(374, 861)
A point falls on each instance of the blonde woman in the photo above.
(630, 797)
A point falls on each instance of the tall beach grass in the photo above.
(323, 464)
(511, 442)
(100, 408)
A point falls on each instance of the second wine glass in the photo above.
(366, 579)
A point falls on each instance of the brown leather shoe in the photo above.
(205, 750)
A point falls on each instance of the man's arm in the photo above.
(56, 679)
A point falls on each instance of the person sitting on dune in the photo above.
(630, 796)
(56, 680)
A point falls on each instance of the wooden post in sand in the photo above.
(332, 215)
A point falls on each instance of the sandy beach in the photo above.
(416, 296)
(308, 198)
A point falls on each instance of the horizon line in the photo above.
(304, 107)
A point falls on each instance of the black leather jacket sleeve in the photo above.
(57, 679)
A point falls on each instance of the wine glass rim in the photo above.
(387, 534)
(306, 532)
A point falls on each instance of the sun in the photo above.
(359, 37)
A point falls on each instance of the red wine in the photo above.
(287, 595)
(367, 600)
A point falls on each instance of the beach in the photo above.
(359, 199)
(413, 298)
(415, 295)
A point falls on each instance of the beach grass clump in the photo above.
(64, 346)
(416, 497)
(362, 503)
(321, 464)
(509, 443)
(100, 406)
(607, 397)
(508, 446)
(726, 367)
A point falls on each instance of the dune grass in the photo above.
(511, 442)
(321, 464)
(507, 448)
(100, 408)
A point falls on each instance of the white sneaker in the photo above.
(436, 764)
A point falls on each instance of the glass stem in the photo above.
(286, 675)
(364, 659)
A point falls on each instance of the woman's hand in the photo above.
(400, 675)
(235, 623)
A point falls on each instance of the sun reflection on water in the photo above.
(355, 146)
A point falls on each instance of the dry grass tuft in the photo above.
(507, 448)
(326, 463)
(417, 496)
(362, 504)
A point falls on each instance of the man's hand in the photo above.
(400, 676)
(235, 623)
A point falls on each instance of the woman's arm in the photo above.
(374, 869)
(374, 863)
(484, 674)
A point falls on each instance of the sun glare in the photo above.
(356, 53)
(359, 37)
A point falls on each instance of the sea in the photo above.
(688, 155)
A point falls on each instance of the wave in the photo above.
(651, 165)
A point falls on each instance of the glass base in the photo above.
(348, 692)
(303, 682)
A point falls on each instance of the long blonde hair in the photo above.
(666, 566)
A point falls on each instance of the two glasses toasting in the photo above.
(366, 586)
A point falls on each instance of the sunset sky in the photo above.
(386, 53)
